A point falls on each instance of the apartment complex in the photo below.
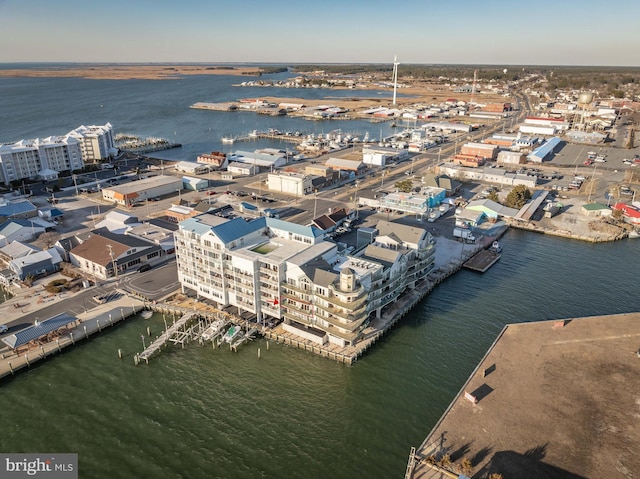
(44, 158)
(96, 142)
(39, 158)
(275, 269)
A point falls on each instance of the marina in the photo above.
(163, 407)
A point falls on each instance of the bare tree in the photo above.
(48, 238)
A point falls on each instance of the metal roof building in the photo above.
(38, 330)
(548, 147)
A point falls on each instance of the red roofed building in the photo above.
(631, 214)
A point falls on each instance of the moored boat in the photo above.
(232, 334)
(495, 247)
(213, 330)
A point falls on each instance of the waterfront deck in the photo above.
(549, 399)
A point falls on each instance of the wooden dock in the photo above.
(172, 333)
(482, 261)
(91, 322)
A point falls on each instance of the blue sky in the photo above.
(561, 32)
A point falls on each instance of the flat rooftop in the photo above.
(555, 399)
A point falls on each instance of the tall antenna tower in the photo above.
(395, 78)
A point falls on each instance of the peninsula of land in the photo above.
(127, 71)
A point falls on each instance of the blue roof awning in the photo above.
(38, 330)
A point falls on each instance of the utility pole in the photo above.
(113, 261)
(75, 183)
(593, 180)
(315, 203)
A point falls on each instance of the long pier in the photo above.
(172, 333)
(91, 322)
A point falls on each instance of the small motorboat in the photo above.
(495, 247)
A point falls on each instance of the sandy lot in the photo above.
(555, 399)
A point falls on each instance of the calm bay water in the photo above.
(201, 413)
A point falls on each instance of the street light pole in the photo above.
(113, 261)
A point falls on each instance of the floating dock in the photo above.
(482, 261)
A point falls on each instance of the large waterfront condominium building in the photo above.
(334, 301)
(96, 142)
(44, 158)
(275, 269)
(39, 159)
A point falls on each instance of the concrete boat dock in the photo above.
(482, 261)
(549, 399)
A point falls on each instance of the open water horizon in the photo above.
(202, 413)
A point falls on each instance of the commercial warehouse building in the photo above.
(140, 191)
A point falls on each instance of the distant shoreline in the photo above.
(127, 72)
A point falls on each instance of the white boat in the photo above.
(147, 314)
(634, 234)
(227, 140)
(232, 334)
(495, 247)
(212, 330)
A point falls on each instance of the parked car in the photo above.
(144, 267)
(3, 328)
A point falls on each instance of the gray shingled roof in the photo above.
(408, 234)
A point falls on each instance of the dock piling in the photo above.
(120, 353)
(148, 331)
(258, 353)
